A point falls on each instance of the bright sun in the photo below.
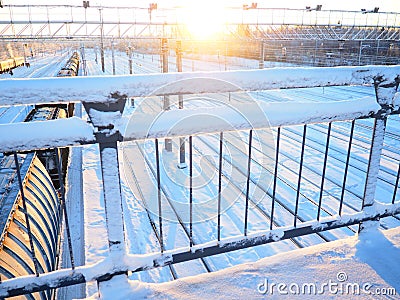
(204, 19)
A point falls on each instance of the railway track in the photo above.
(316, 145)
(353, 208)
(311, 177)
(256, 204)
(282, 182)
(168, 197)
(253, 202)
(157, 231)
(148, 213)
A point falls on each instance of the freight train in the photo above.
(41, 185)
(71, 68)
(6, 66)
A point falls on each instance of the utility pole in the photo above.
(262, 54)
(85, 6)
(225, 56)
(83, 59)
(113, 56)
(182, 163)
(166, 104)
(101, 41)
(25, 45)
(130, 58)
(315, 53)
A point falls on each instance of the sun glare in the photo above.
(204, 19)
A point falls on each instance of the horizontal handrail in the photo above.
(108, 89)
(75, 131)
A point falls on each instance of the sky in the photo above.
(354, 5)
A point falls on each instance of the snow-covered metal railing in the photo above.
(111, 89)
(104, 99)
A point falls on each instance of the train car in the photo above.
(43, 204)
(41, 185)
(7, 65)
(71, 68)
(47, 157)
(19, 61)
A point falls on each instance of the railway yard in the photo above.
(344, 178)
(144, 155)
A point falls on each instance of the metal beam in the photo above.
(350, 22)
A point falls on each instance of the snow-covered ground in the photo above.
(359, 267)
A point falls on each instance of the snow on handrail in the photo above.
(246, 117)
(75, 131)
(108, 89)
(45, 134)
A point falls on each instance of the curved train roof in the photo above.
(43, 208)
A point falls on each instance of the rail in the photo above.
(104, 100)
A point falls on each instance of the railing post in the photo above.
(384, 96)
(113, 56)
(108, 145)
(112, 196)
(166, 103)
(182, 163)
(130, 58)
(101, 41)
(262, 55)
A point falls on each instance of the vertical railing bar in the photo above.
(346, 167)
(221, 136)
(166, 100)
(191, 190)
(63, 207)
(28, 225)
(248, 183)
(178, 51)
(371, 163)
(159, 195)
(396, 185)
(378, 133)
(328, 136)
(278, 137)
(300, 171)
